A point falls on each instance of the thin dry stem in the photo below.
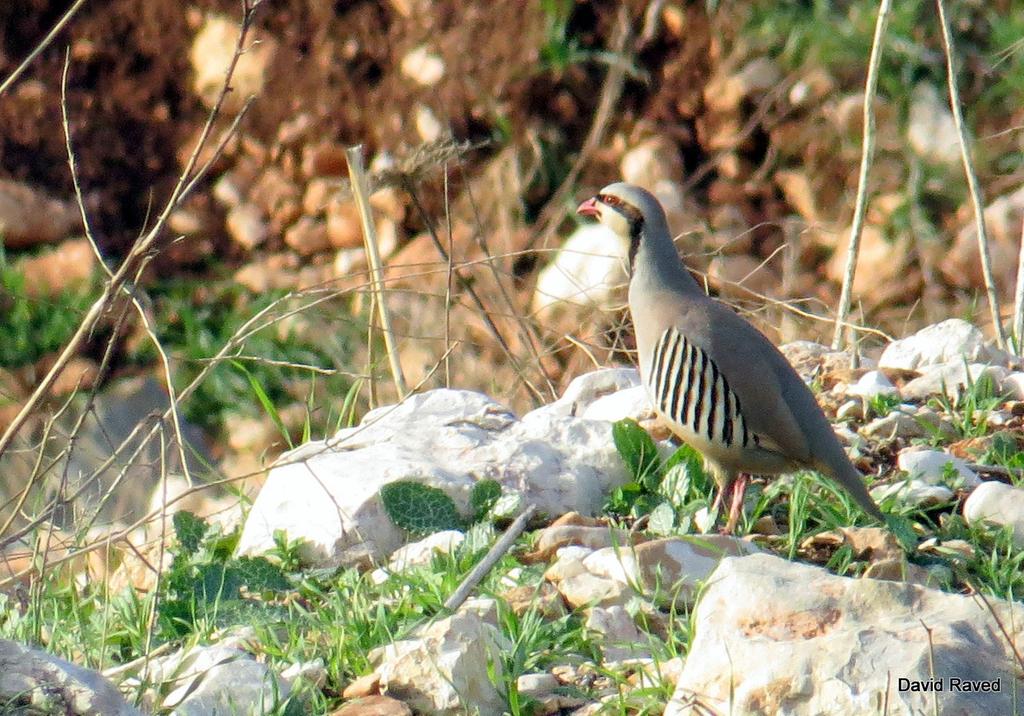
(1018, 299)
(360, 193)
(974, 188)
(839, 337)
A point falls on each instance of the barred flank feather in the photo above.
(690, 389)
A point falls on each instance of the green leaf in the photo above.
(663, 519)
(419, 508)
(189, 530)
(483, 496)
(638, 451)
(265, 401)
(259, 574)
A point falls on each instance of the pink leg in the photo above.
(739, 488)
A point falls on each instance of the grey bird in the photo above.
(718, 382)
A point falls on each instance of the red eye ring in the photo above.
(609, 200)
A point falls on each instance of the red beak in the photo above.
(589, 208)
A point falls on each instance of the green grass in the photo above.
(278, 365)
(33, 327)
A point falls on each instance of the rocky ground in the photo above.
(324, 602)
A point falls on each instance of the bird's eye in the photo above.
(610, 200)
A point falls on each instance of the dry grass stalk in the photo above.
(361, 196)
(973, 186)
(839, 337)
(1018, 299)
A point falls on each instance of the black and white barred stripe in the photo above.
(690, 389)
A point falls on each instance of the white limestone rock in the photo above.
(667, 570)
(586, 390)
(326, 492)
(931, 467)
(952, 340)
(213, 51)
(618, 635)
(589, 271)
(931, 131)
(220, 678)
(871, 384)
(778, 637)
(1013, 385)
(53, 685)
(444, 669)
(914, 492)
(998, 504)
(951, 379)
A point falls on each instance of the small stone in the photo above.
(872, 384)
(998, 504)
(246, 225)
(318, 195)
(931, 130)
(851, 410)
(344, 229)
(80, 373)
(554, 538)
(307, 236)
(365, 685)
(932, 466)
(1013, 385)
(724, 93)
(422, 552)
(896, 424)
(65, 267)
(227, 191)
(586, 589)
(29, 217)
(325, 159)
(211, 54)
(652, 161)
(618, 636)
(914, 492)
(375, 705)
(428, 126)
(423, 66)
(536, 685)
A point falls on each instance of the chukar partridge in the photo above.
(719, 384)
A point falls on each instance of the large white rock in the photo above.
(326, 492)
(951, 340)
(220, 678)
(951, 378)
(444, 670)
(783, 638)
(589, 271)
(666, 570)
(53, 685)
(998, 504)
(587, 389)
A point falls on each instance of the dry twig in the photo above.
(867, 154)
(974, 188)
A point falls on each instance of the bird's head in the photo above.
(631, 212)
